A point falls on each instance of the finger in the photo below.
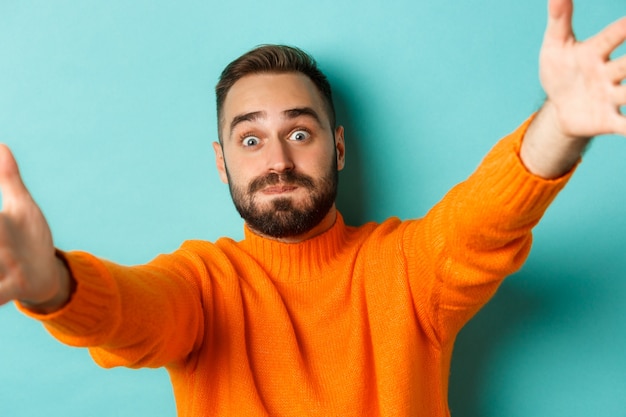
(11, 185)
(609, 38)
(619, 95)
(7, 291)
(559, 27)
(616, 69)
(619, 125)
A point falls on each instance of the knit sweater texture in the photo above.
(358, 321)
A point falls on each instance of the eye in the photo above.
(250, 141)
(299, 135)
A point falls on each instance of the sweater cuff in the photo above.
(89, 305)
(518, 187)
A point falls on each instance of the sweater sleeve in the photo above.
(141, 316)
(478, 234)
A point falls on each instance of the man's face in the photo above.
(280, 156)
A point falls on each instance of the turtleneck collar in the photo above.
(301, 261)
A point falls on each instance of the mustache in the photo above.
(289, 177)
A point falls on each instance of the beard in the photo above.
(283, 217)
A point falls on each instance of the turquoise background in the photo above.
(109, 109)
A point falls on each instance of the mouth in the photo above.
(279, 189)
(273, 183)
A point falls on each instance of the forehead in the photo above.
(271, 93)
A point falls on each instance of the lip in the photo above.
(279, 189)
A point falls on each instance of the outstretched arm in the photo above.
(584, 93)
(29, 270)
(148, 315)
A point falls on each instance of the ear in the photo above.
(340, 146)
(219, 162)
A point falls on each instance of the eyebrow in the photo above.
(289, 114)
(303, 111)
(247, 117)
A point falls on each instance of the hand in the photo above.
(584, 90)
(29, 269)
(581, 81)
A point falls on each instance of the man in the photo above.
(308, 316)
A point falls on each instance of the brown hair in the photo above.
(273, 59)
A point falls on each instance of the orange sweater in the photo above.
(357, 321)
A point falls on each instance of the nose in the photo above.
(279, 157)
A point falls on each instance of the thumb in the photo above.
(11, 186)
(559, 27)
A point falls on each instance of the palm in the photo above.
(580, 79)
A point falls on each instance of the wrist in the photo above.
(62, 295)
(547, 150)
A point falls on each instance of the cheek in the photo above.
(317, 162)
(327, 162)
(240, 173)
